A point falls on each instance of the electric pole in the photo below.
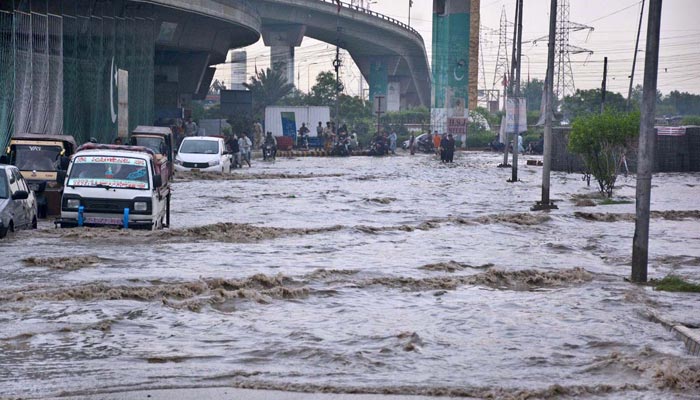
(545, 203)
(516, 137)
(645, 156)
(634, 59)
(603, 88)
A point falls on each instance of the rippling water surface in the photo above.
(393, 275)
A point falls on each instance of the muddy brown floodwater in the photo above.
(393, 275)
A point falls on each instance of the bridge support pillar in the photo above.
(282, 39)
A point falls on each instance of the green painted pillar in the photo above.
(450, 89)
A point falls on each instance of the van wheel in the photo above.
(5, 231)
(34, 222)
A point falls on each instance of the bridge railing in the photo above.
(375, 14)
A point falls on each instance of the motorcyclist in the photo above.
(270, 142)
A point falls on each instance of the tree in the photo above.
(532, 91)
(323, 92)
(602, 139)
(585, 102)
(268, 86)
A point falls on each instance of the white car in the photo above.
(17, 202)
(203, 153)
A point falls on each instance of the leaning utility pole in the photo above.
(634, 59)
(516, 92)
(645, 156)
(545, 203)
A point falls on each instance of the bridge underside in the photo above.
(57, 72)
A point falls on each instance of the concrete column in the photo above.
(282, 39)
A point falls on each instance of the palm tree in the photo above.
(267, 87)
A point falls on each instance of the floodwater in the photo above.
(393, 275)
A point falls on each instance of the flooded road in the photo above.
(396, 275)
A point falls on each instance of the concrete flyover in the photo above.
(390, 54)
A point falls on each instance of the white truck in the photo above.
(121, 186)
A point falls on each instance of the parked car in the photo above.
(17, 202)
(203, 153)
(122, 186)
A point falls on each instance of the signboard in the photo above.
(379, 104)
(289, 124)
(457, 126)
(516, 104)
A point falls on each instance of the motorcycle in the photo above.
(377, 149)
(341, 148)
(268, 152)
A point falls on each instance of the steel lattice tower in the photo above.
(564, 76)
(502, 65)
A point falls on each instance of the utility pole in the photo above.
(545, 203)
(634, 59)
(645, 156)
(337, 64)
(516, 137)
(603, 89)
(511, 80)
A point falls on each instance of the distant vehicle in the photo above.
(159, 139)
(17, 202)
(203, 153)
(422, 144)
(42, 160)
(122, 186)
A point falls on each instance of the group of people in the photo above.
(384, 144)
(240, 146)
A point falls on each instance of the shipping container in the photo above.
(286, 121)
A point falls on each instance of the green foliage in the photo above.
(691, 120)
(323, 92)
(479, 140)
(683, 103)
(674, 283)
(602, 139)
(585, 102)
(268, 87)
(532, 91)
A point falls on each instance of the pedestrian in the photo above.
(302, 140)
(328, 136)
(118, 140)
(235, 149)
(436, 142)
(319, 134)
(245, 145)
(412, 144)
(449, 148)
(392, 141)
(443, 148)
(190, 127)
(521, 150)
(257, 134)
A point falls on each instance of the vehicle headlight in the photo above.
(178, 161)
(213, 163)
(73, 203)
(140, 206)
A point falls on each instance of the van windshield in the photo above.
(154, 143)
(37, 157)
(199, 147)
(109, 172)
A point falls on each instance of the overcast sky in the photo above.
(615, 28)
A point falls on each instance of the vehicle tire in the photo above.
(4, 231)
(34, 222)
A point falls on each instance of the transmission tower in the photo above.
(502, 66)
(563, 74)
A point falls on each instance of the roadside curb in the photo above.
(690, 337)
